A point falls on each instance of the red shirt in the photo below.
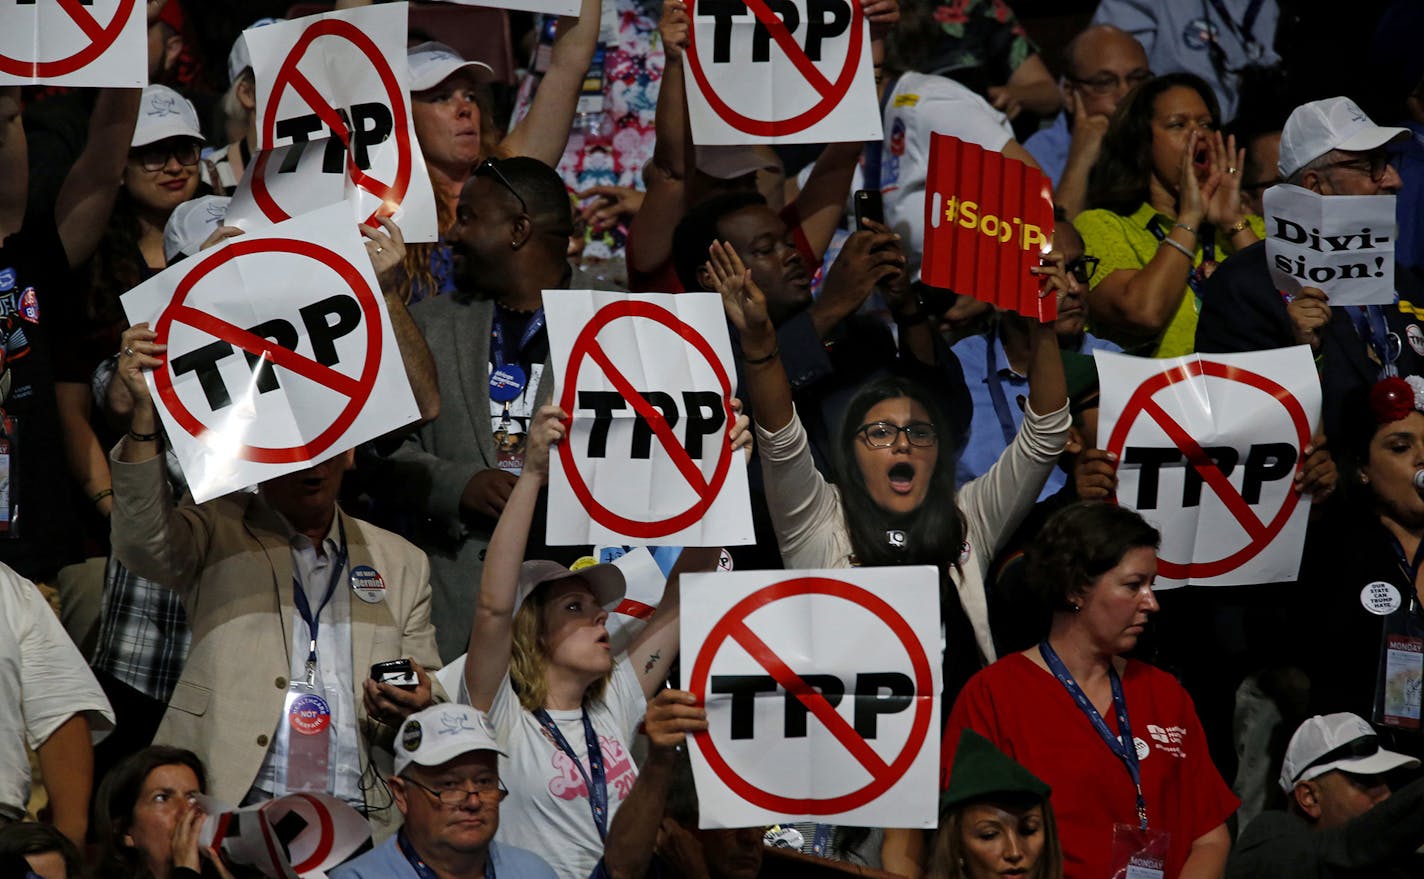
(1028, 714)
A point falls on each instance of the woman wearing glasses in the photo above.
(1165, 208)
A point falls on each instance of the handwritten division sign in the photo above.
(334, 123)
(780, 71)
(822, 691)
(1208, 449)
(988, 219)
(647, 380)
(74, 42)
(1341, 244)
(280, 353)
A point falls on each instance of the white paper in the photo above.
(1252, 413)
(103, 43)
(1341, 244)
(256, 281)
(746, 86)
(840, 629)
(639, 492)
(554, 7)
(352, 66)
(331, 832)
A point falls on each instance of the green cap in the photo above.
(982, 771)
(1081, 373)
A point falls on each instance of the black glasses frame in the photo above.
(1083, 268)
(488, 166)
(924, 442)
(155, 156)
(1378, 165)
(1101, 85)
(456, 797)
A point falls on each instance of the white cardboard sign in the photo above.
(280, 353)
(334, 123)
(801, 74)
(553, 7)
(822, 691)
(1208, 447)
(647, 380)
(67, 42)
(297, 836)
(1341, 244)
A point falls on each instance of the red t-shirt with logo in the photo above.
(1029, 715)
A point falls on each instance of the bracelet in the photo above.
(1184, 226)
(144, 437)
(1191, 257)
(1238, 227)
(100, 495)
(757, 361)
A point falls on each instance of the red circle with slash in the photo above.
(101, 37)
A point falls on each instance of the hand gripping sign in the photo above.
(1341, 244)
(74, 42)
(334, 123)
(298, 836)
(280, 353)
(1208, 448)
(780, 71)
(988, 219)
(647, 380)
(822, 691)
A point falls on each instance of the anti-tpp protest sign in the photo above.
(780, 71)
(74, 42)
(298, 836)
(1341, 244)
(553, 7)
(1208, 449)
(280, 353)
(647, 380)
(822, 691)
(334, 123)
(988, 219)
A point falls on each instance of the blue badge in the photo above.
(7, 279)
(309, 714)
(366, 582)
(507, 383)
(30, 306)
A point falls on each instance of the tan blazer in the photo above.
(231, 561)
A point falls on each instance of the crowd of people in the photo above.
(161, 655)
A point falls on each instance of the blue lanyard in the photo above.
(1370, 324)
(1122, 745)
(598, 784)
(1248, 21)
(299, 594)
(422, 869)
(536, 323)
(996, 390)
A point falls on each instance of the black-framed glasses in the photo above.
(883, 434)
(1106, 83)
(1082, 269)
(454, 797)
(1374, 164)
(489, 167)
(154, 156)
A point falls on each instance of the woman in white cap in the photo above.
(540, 662)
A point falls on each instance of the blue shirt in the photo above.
(385, 861)
(1409, 247)
(991, 431)
(1049, 147)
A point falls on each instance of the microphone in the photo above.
(1418, 480)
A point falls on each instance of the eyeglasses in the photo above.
(1106, 83)
(489, 167)
(1374, 164)
(154, 156)
(487, 791)
(883, 434)
(1082, 269)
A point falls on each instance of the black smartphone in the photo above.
(868, 206)
(396, 672)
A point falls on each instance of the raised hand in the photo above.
(742, 299)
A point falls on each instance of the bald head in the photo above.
(1104, 62)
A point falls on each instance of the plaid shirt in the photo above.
(143, 640)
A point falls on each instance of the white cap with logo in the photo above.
(191, 223)
(432, 63)
(441, 733)
(1325, 743)
(163, 113)
(239, 59)
(1318, 127)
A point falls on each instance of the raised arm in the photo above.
(544, 131)
(492, 634)
(87, 197)
(667, 173)
(387, 251)
(821, 202)
(745, 305)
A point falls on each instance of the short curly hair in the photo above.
(1079, 544)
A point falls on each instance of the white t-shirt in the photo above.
(43, 682)
(922, 104)
(547, 811)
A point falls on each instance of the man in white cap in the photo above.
(239, 105)
(446, 785)
(1332, 148)
(1342, 817)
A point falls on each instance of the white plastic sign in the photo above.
(1341, 244)
(99, 43)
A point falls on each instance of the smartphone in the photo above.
(868, 206)
(396, 672)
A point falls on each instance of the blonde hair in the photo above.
(947, 855)
(528, 656)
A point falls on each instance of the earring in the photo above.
(1364, 479)
(1074, 606)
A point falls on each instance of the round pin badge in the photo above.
(1142, 748)
(410, 736)
(367, 584)
(309, 714)
(1380, 598)
(1416, 338)
(507, 383)
(964, 550)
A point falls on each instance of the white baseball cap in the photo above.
(736, 160)
(191, 223)
(239, 59)
(604, 581)
(1325, 743)
(432, 63)
(163, 113)
(441, 733)
(1318, 127)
